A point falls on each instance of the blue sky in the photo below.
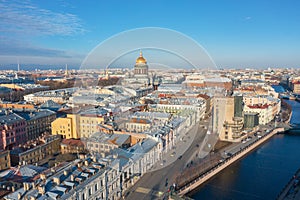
(236, 33)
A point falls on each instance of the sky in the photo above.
(234, 33)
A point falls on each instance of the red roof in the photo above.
(72, 142)
(204, 96)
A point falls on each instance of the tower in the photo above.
(66, 71)
(141, 67)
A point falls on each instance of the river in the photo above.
(262, 174)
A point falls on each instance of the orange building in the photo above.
(16, 106)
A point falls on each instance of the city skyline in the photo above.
(235, 34)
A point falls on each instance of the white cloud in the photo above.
(22, 17)
(21, 21)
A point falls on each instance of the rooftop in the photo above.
(9, 118)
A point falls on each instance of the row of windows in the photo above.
(101, 146)
(87, 121)
(64, 126)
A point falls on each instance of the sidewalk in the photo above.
(183, 143)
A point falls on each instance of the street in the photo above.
(155, 183)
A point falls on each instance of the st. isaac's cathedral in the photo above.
(140, 76)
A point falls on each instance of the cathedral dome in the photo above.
(141, 59)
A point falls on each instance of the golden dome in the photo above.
(141, 59)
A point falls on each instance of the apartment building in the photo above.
(79, 125)
(13, 130)
(35, 151)
(37, 122)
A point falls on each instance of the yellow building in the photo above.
(88, 125)
(4, 160)
(79, 125)
(67, 127)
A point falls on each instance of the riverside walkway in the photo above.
(228, 161)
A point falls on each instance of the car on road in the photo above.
(173, 154)
(229, 154)
(179, 157)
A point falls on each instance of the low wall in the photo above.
(219, 167)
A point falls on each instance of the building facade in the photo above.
(79, 125)
(37, 122)
(226, 121)
(4, 160)
(66, 127)
(140, 77)
(13, 130)
(36, 151)
(72, 146)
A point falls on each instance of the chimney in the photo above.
(65, 172)
(13, 188)
(72, 178)
(19, 195)
(86, 163)
(41, 189)
(94, 159)
(56, 180)
(43, 176)
(25, 185)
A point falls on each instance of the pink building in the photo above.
(12, 129)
